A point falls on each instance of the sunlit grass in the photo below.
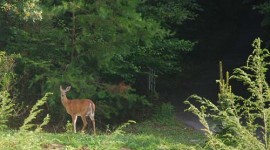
(171, 132)
(149, 135)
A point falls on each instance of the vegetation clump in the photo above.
(242, 122)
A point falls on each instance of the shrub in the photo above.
(243, 123)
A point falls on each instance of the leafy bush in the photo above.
(243, 123)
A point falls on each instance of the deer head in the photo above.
(63, 92)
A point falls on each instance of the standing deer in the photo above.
(78, 107)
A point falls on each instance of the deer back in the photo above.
(81, 107)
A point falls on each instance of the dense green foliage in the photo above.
(242, 122)
(24, 10)
(92, 46)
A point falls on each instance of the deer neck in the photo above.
(64, 100)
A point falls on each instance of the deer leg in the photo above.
(93, 122)
(84, 122)
(74, 120)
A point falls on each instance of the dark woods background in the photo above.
(128, 56)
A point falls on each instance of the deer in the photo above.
(120, 88)
(78, 107)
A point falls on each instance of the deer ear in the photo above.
(61, 87)
(68, 88)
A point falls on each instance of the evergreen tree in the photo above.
(89, 44)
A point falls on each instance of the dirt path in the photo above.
(192, 121)
(189, 119)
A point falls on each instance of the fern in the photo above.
(7, 105)
(120, 131)
(33, 114)
(6, 108)
(46, 120)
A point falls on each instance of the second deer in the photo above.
(78, 107)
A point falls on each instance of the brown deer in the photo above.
(120, 88)
(78, 107)
(123, 87)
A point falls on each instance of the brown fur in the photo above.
(78, 107)
(121, 88)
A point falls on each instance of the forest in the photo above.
(133, 67)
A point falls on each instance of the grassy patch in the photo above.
(170, 133)
(147, 135)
